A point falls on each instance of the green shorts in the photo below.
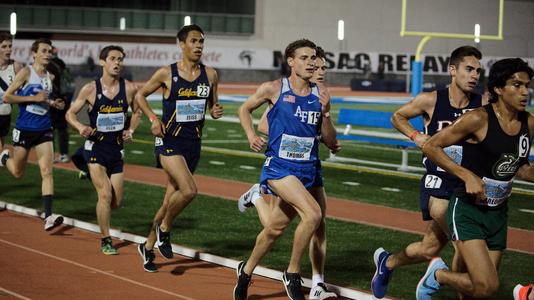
(469, 221)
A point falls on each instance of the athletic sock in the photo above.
(316, 279)
(47, 203)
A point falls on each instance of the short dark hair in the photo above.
(457, 56)
(293, 46)
(503, 70)
(35, 45)
(184, 31)
(5, 36)
(320, 52)
(105, 51)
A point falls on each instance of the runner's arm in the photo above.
(472, 125)
(215, 109)
(21, 77)
(421, 105)
(264, 93)
(526, 171)
(328, 130)
(155, 82)
(71, 115)
(131, 90)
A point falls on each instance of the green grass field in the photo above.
(214, 225)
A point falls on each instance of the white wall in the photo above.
(374, 25)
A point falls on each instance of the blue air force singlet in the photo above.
(183, 110)
(34, 116)
(108, 116)
(294, 124)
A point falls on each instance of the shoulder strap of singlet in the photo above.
(285, 86)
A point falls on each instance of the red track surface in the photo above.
(67, 264)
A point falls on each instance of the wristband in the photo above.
(153, 118)
(414, 134)
(326, 114)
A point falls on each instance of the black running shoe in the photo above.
(148, 258)
(243, 282)
(164, 243)
(293, 284)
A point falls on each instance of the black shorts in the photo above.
(5, 123)
(30, 139)
(106, 155)
(188, 148)
(437, 186)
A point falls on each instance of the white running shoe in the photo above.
(320, 292)
(52, 222)
(245, 201)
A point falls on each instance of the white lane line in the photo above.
(95, 270)
(351, 183)
(390, 189)
(137, 152)
(217, 163)
(245, 167)
(527, 210)
(13, 294)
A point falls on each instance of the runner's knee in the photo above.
(312, 218)
(486, 288)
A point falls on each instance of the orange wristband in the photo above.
(414, 134)
(152, 118)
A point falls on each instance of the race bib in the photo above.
(16, 135)
(496, 191)
(455, 153)
(37, 109)
(190, 110)
(295, 147)
(203, 90)
(88, 145)
(5, 109)
(432, 182)
(158, 142)
(110, 122)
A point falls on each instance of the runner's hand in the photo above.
(42, 96)
(476, 187)
(157, 128)
(217, 111)
(86, 131)
(127, 135)
(58, 104)
(335, 148)
(324, 98)
(256, 143)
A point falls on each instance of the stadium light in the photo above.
(340, 30)
(187, 20)
(477, 33)
(122, 23)
(13, 23)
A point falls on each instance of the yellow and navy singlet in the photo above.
(183, 110)
(108, 116)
